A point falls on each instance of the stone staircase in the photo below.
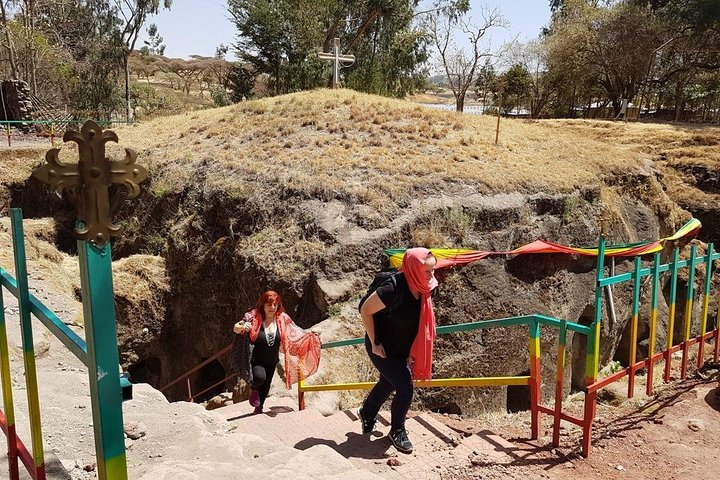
(439, 452)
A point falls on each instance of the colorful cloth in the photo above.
(301, 349)
(461, 256)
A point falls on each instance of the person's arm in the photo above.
(241, 327)
(371, 306)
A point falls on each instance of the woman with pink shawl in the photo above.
(400, 329)
(269, 330)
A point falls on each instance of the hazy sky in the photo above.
(194, 27)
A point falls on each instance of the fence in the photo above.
(98, 352)
(657, 271)
(51, 128)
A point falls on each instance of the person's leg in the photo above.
(397, 373)
(380, 392)
(265, 387)
(259, 378)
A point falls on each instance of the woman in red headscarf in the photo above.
(269, 328)
(400, 329)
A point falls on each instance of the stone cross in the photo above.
(93, 174)
(336, 57)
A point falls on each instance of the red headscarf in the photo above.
(421, 351)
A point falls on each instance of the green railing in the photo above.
(55, 127)
(98, 352)
(592, 333)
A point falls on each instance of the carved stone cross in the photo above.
(94, 173)
(336, 57)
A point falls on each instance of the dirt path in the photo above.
(675, 435)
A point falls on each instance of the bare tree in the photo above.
(459, 64)
(187, 71)
(8, 40)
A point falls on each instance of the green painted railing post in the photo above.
(632, 358)
(653, 322)
(592, 360)
(705, 306)
(27, 341)
(103, 365)
(688, 311)
(671, 313)
(535, 378)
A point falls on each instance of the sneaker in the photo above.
(368, 424)
(254, 398)
(400, 440)
(258, 410)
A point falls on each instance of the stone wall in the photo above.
(16, 99)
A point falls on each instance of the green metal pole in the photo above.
(592, 360)
(671, 313)
(705, 306)
(103, 365)
(688, 311)
(634, 327)
(653, 322)
(27, 341)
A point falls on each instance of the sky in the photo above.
(195, 27)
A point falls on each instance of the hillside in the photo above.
(303, 192)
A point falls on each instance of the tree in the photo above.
(611, 44)
(459, 65)
(133, 14)
(188, 71)
(517, 83)
(241, 81)
(279, 39)
(153, 45)
(8, 40)
(486, 79)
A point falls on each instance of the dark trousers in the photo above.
(394, 376)
(262, 378)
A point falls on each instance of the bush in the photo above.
(220, 97)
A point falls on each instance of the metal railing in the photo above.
(591, 332)
(55, 127)
(98, 353)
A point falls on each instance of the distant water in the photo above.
(474, 109)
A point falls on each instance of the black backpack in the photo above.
(380, 279)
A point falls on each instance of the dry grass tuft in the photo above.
(340, 144)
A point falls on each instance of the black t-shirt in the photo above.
(396, 331)
(264, 353)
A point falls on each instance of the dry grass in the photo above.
(367, 149)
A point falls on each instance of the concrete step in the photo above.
(439, 451)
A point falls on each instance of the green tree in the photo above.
(517, 82)
(279, 39)
(154, 44)
(241, 81)
(486, 79)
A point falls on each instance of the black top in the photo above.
(396, 330)
(264, 353)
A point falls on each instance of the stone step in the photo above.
(489, 448)
(439, 451)
(244, 409)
